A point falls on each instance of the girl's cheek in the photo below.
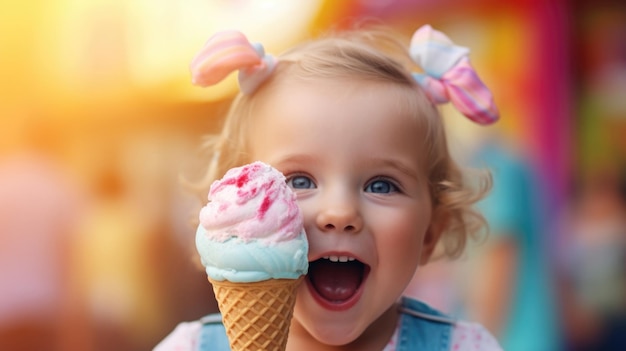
(306, 208)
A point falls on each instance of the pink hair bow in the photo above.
(226, 52)
(449, 77)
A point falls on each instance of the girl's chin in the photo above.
(335, 323)
(335, 335)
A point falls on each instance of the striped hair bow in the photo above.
(226, 52)
(449, 77)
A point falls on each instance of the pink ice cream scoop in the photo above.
(252, 229)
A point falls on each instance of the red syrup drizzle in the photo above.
(243, 178)
(268, 199)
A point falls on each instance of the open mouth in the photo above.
(335, 281)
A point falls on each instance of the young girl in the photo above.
(355, 129)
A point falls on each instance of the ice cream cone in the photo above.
(257, 315)
(251, 240)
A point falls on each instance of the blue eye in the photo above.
(300, 182)
(381, 186)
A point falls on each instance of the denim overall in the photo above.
(421, 328)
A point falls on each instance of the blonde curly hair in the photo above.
(375, 55)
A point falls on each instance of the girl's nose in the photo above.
(343, 216)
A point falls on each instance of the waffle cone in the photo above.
(257, 315)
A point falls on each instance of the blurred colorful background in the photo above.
(99, 122)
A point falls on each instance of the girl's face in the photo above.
(352, 156)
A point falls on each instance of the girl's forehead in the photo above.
(353, 115)
(344, 113)
(337, 97)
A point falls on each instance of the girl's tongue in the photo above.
(336, 281)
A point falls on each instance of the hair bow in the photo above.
(226, 52)
(449, 77)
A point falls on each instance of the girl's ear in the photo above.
(437, 226)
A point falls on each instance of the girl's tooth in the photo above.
(339, 258)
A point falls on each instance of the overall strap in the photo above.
(423, 328)
(213, 334)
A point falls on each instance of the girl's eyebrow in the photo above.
(397, 164)
(294, 159)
